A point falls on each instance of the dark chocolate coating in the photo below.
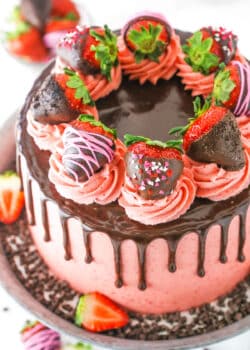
(36, 12)
(221, 145)
(50, 106)
(153, 185)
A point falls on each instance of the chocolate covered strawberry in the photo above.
(88, 146)
(209, 47)
(36, 12)
(97, 313)
(147, 36)
(37, 336)
(153, 166)
(61, 98)
(232, 88)
(90, 50)
(212, 136)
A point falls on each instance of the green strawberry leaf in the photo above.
(106, 52)
(223, 87)
(88, 118)
(75, 82)
(130, 139)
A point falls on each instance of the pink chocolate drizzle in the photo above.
(41, 338)
(86, 146)
(243, 103)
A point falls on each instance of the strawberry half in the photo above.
(232, 89)
(90, 50)
(208, 47)
(11, 198)
(153, 166)
(213, 136)
(147, 37)
(88, 146)
(36, 12)
(97, 313)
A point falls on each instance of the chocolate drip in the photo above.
(87, 244)
(117, 257)
(202, 251)
(224, 239)
(45, 221)
(141, 249)
(172, 248)
(242, 237)
(66, 238)
(30, 203)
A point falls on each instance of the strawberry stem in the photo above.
(88, 118)
(130, 139)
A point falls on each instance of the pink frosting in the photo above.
(99, 86)
(218, 184)
(46, 136)
(153, 212)
(199, 83)
(103, 187)
(149, 70)
(40, 337)
(244, 126)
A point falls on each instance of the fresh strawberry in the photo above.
(212, 136)
(88, 146)
(36, 12)
(11, 197)
(153, 166)
(232, 89)
(97, 313)
(148, 37)
(90, 50)
(54, 25)
(208, 47)
(26, 42)
(64, 8)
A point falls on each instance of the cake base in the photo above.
(60, 299)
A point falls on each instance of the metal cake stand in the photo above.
(13, 286)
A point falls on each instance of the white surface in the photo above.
(17, 79)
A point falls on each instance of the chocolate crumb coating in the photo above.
(50, 106)
(36, 12)
(221, 145)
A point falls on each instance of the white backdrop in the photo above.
(16, 79)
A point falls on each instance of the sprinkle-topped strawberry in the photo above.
(153, 166)
(232, 88)
(97, 313)
(212, 136)
(147, 36)
(209, 47)
(90, 50)
(11, 197)
(88, 146)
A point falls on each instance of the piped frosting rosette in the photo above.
(244, 126)
(198, 74)
(148, 48)
(88, 166)
(217, 184)
(93, 54)
(37, 336)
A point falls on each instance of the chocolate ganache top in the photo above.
(146, 110)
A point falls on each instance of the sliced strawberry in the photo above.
(97, 313)
(208, 47)
(147, 37)
(54, 25)
(11, 198)
(88, 146)
(212, 136)
(27, 44)
(153, 166)
(62, 8)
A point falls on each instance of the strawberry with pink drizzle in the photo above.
(88, 164)
(232, 88)
(148, 48)
(202, 55)
(36, 336)
(93, 53)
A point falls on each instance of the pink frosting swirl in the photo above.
(146, 69)
(218, 184)
(153, 212)
(199, 83)
(40, 337)
(46, 136)
(103, 187)
(244, 126)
